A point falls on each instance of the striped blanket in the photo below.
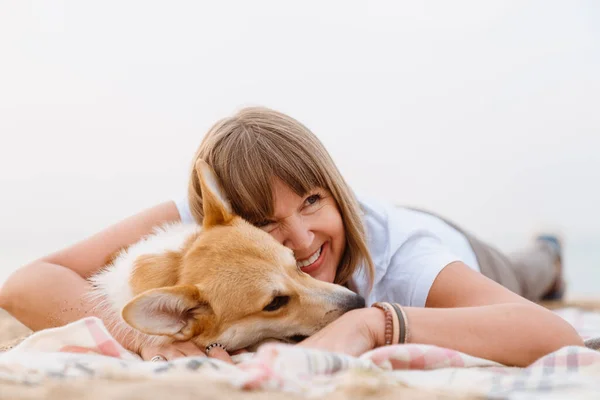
(85, 349)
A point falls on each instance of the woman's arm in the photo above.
(50, 292)
(466, 312)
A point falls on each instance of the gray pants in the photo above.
(529, 272)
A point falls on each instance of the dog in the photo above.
(225, 282)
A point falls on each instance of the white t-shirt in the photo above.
(409, 249)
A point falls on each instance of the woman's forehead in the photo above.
(284, 198)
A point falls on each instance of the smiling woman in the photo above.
(432, 282)
(280, 177)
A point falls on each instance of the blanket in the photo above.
(85, 350)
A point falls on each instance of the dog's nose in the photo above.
(356, 301)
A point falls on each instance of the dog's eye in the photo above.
(277, 303)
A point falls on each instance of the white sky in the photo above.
(486, 112)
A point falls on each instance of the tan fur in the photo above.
(216, 286)
(158, 270)
(155, 270)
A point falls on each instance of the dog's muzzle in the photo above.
(354, 302)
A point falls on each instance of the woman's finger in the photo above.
(240, 351)
(163, 353)
(176, 350)
(189, 349)
(172, 353)
(220, 354)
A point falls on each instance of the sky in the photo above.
(485, 112)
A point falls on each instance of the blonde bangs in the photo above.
(249, 162)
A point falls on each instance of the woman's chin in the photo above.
(324, 274)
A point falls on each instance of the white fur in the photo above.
(111, 285)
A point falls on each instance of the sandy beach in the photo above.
(11, 330)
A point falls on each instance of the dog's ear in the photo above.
(216, 207)
(177, 311)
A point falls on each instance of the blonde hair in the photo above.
(250, 148)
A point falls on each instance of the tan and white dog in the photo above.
(225, 281)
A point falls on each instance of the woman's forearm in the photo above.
(511, 334)
(44, 295)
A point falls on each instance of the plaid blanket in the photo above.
(86, 349)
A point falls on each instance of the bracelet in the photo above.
(395, 324)
(389, 322)
(392, 323)
(396, 320)
(404, 333)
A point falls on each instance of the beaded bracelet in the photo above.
(396, 323)
(389, 322)
(396, 320)
(392, 323)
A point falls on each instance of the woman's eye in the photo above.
(262, 224)
(277, 303)
(310, 200)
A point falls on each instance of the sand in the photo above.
(11, 331)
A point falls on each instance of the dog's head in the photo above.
(236, 285)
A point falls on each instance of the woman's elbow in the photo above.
(568, 337)
(563, 335)
(7, 293)
(543, 332)
(4, 298)
(15, 286)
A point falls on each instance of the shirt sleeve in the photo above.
(183, 206)
(413, 268)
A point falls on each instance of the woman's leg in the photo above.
(539, 267)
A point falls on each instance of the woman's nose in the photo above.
(299, 236)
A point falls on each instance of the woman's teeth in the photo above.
(310, 260)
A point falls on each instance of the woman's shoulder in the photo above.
(390, 228)
(408, 248)
(384, 217)
(386, 226)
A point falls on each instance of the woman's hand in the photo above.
(182, 349)
(354, 333)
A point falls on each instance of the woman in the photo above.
(455, 291)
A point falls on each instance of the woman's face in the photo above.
(311, 226)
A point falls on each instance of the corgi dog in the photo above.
(225, 281)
